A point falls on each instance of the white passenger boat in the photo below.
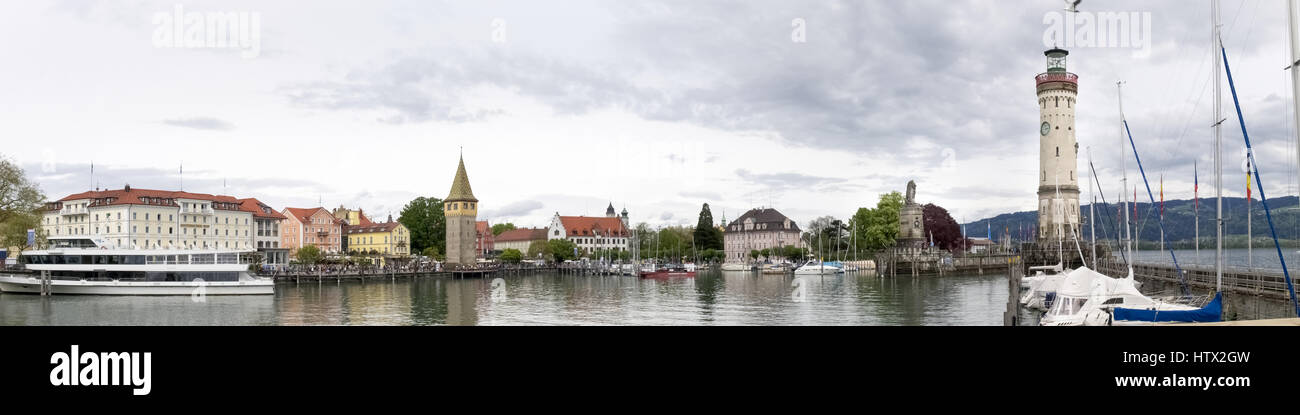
(79, 266)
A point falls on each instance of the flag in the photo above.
(1196, 187)
(1162, 195)
(1248, 174)
(1135, 204)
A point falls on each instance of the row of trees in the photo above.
(872, 230)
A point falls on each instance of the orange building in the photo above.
(311, 226)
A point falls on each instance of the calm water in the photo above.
(551, 299)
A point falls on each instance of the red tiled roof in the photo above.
(372, 228)
(141, 196)
(132, 197)
(518, 235)
(304, 214)
(256, 207)
(585, 226)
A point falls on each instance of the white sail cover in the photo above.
(1078, 283)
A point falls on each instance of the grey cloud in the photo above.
(514, 210)
(201, 123)
(71, 178)
(666, 216)
(701, 195)
(790, 181)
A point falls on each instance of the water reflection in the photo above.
(716, 298)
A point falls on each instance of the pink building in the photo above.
(311, 226)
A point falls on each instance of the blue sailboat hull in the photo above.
(1211, 313)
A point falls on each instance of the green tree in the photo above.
(794, 254)
(431, 252)
(877, 229)
(755, 254)
(511, 256)
(20, 203)
(428, 225)
(309, 255)
(706, 235)
(561, 250)
(501, 228)
(13, 232)
(536, 249)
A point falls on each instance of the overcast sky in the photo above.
(658, 107)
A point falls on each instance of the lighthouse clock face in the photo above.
(1046, 128)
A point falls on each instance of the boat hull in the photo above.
(32, 285)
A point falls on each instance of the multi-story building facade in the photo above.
(390, 239)
(350, 218)
(759, 229)
(311, 226)
(591, 234)
(154, 219)
(484, 239)
(266, 231)
(519, 239)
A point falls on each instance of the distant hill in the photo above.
(1179, 220)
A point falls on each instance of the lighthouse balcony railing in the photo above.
(1057, 77)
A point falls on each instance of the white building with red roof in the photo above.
(130, 218)
(590, 234)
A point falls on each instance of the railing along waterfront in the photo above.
(1240, 279)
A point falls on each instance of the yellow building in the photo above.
(388, 240)
(352, 217)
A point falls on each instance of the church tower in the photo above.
(461, 210)
(1058, 179)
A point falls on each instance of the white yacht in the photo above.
(80, 266)
(818, 268)
(1087, 297)
(1039, 290)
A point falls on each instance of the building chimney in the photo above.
(128, 188)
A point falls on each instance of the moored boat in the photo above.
(77, 266)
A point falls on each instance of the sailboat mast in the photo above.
(1294, 40)
(1092, 211)
(1218, 143)
(1123, 165)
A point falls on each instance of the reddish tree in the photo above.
(946, 231)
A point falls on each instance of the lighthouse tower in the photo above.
(1058, 179)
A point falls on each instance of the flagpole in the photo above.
(1250, 249)
(1196, 209)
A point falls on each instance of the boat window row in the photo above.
(144, 276)
(195, 259)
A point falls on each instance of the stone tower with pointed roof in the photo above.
(461, 209)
